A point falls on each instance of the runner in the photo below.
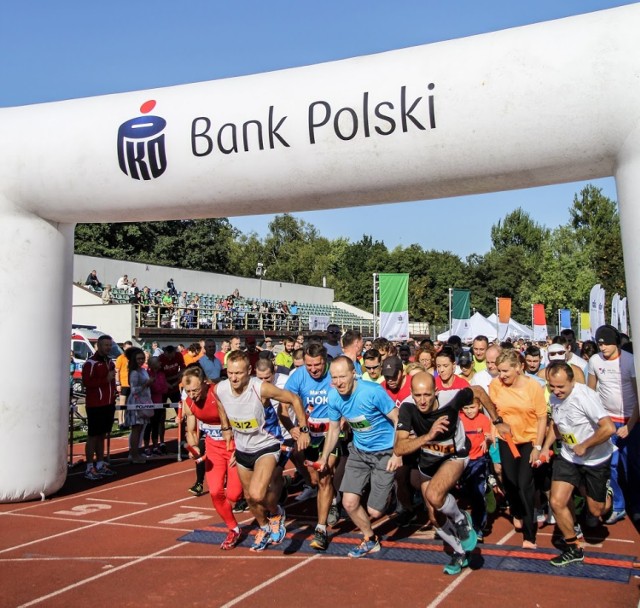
(201, 407)
(372, 416)
(584, 428)
(247, 416)
(312, 384)
(438, 434)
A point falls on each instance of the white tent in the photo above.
(515, 329)
(468, 329)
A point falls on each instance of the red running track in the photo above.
(114, 542)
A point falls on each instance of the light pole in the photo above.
(260, 272)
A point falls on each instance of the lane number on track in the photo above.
(85, 509)
(180, 518)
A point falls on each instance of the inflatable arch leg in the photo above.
(548, 103)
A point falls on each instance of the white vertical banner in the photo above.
(622, 309)
(615, 311)
(594, 297)
(601, 302)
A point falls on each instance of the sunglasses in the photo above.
(371, 367)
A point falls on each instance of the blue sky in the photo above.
(61, 50)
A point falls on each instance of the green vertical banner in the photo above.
(461, 304)
(394, 306)
(460, 312)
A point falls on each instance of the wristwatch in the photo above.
(498, 420)
(538, 447)
(304, 429)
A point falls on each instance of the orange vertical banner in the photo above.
(504, 310)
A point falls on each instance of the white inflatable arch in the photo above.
(543, 104)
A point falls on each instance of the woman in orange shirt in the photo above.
(521, 405)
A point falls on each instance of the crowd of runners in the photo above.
(545, 432)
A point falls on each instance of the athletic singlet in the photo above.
(255, 426)
(207, 414)
(452, 442)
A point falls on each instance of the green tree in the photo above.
(596, 222)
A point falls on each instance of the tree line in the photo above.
(527, 262)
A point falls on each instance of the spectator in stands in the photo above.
(107, 295)
(133, 292)
(332, 342)
(171, 288)
(295, 318)
(93, 282)
(123, 282)
(183, 300)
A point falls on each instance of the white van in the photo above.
(83, 344)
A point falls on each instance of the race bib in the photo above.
(569, 438)
(359, 424)
(439, 449)
(211, 430)
(318, 427)
(244, 426)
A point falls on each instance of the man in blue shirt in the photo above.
(209, 362)
(372, 417)
(312, 384)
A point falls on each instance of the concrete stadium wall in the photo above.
(156, 277)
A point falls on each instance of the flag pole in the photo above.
(498, 319)
(559, 322)
(375, 306)
(532, 320)
(450, 323)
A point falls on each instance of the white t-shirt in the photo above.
(616, 384)
(578, 361)
(483, 379)
(577, 419)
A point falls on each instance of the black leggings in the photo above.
(519, 486)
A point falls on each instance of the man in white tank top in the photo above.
(248, 417)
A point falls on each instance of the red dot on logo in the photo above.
(147, 106)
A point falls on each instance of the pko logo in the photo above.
(141, 152)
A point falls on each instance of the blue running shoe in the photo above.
(457, 563)
(278, 528)
(261, 541)
(365, 547)
(466, 534)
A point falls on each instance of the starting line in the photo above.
(600, 566)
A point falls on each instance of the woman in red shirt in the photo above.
(447, 380)
(201, 410)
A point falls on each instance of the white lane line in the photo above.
(90, 579)
(613, 540)
(269, 582)
(13, 560)
(101, 490)
(93, 525)
(453, 585)
(119, 502)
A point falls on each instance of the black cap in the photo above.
(607, 334)
(465, 360)
(391, 366)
